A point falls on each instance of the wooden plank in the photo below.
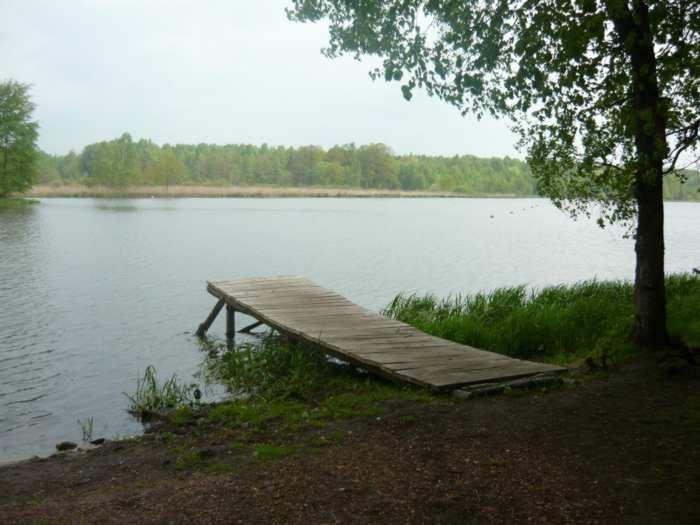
(385, 345)
(280, 291)
(411, 360)
(321, 311)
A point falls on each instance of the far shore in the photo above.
(77, 190)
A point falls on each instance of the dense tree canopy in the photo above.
(18, 135)
(124, 161)
(604, 94)
(370, 166)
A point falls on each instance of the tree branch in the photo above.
(690, 134)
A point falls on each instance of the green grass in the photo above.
(219, 468)
(181, 415)
(558, 323)
(273, 369)
(362, 400)
(294, 386)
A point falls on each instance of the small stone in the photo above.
(98, 441)
(489, 390)
(66, 445)
(461, 394)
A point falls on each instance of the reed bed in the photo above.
(557, 323)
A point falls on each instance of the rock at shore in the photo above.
(66, 445)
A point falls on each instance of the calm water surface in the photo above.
(93, 291)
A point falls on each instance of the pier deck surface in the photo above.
(390, 348)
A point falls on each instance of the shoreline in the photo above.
(187, 191)
(256, 192)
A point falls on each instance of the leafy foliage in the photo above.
(18, 135)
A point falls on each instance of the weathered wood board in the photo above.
(392, 349)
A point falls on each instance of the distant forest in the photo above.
(124, 162)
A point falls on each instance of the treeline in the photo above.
(124, 162)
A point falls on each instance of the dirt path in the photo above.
(623, 448)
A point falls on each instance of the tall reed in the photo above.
(555, 322)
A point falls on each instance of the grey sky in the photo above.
(213, 71)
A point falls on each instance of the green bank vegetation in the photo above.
(124, 162)
(560, 323)
(14, 203)
(295, 384)
(286, 398)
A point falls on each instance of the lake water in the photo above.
(93, 291)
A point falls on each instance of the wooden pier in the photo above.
(299, 308)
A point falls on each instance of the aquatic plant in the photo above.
(150, 396)
(86, 427)
(273, 368)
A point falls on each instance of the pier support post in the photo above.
(247, 329)
(210, 319)
(230, 324)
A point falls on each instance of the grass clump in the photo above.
(86, 427)
(189, 459)
(151, 396)
(275, 369)
(295, 386)
(557, 323)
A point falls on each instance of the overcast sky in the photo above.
(229, 71)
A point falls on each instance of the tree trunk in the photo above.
(648, 127)
(651, 147)
(649, 286)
